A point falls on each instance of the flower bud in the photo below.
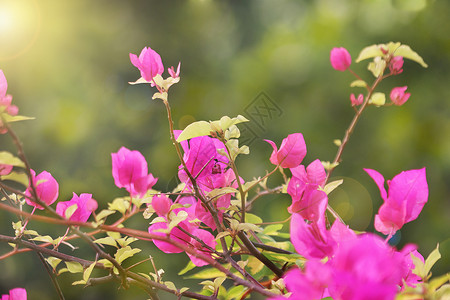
(340, 59)
(396, 65)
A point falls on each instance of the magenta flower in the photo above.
(208, 239)
(172, 72)
(149, 63)
(175, 234)
(309, 284)
(15, 294)
(396, 65)
(340, 59)
(356, 101)
(129, 169)
(408, 193)
(161, 204)
(5, 101)
(291, 152)
(85, 206)
(46, 188)
(5, 169)
(398, 95)
(365, 267)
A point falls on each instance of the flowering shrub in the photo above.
(207, 216)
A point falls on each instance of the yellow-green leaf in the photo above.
(369, 52)
(74, 267)
(106, 241)
(53, 261)
(378, 99)
(358, 83)
(7, 158)
(125, 253)
(407, 52)
(18, 177)
(88, 271)
(196, 129)
(432, 259)
(328, 188)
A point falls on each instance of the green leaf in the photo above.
(247, 227)
(79, 282)
(7, 158)
(252, 218)
(407, 52)
(18, 177)
(432, 259)
(8, 118)
(106, 241)
(226, 122)
(53, 261)
(328, 188)
(378, 99)
(207, 274)
(358, 83)
(43, 238)
(74, 267)
(125, 253)
(272, 229)
(70, 211)
(104, 213)
(119, 204)
(88, 271)
(190, 265)
(369, 52)
(436, 283)
(222, 234)
(377, 66)
(196, 129)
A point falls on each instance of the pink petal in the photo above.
(3, 85)
(316, 173)
(379, 180)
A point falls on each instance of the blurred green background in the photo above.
(67, 64)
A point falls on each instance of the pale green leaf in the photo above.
(247, 227)
(369, 52)
(222, 234)
(170, 285)
(70, 211)
(190, 265)
(218, 282)
(119, 204)
(272, 229)
(104, 213)
(74, 267)
(79, 282)
(107, 241)
(407, 52)
(207, 274)
(437, 282)
(443, 293)
(105, 262)
(125, 253)
(158, 95)
(252, 218)
(53, 261)
(19, 177)
(196, 129)
(377, 66)
(432, 259)
(182, 290)
(358, 83)
(88, 271)
(329, 187)
(44, 238)
(8, 118)
(378, 99)
(7, 158)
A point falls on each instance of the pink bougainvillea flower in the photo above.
(356, 101)
(161, 204)
(311, 240)
(340, 59)
(408, 193)
(149, 63)
(46, 188)
(15, 294)
(5, 169)
(396, 65)
(172, 72)
(307, 284)
(365, 267)
(129, 169)
(175, 234)
(5, 102)
(398, 95)
(307, 200)
(291, 152)
(85, 205)
(207, 238)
